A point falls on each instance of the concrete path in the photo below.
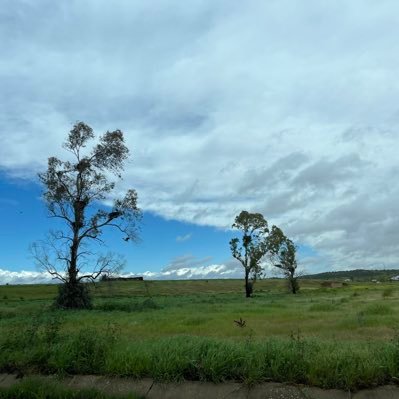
(149, 389)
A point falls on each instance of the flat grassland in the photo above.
(343, 336)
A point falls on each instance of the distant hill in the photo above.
(355, 275)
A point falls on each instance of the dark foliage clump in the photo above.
(73, 296)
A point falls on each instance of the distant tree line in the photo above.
(355, 275)
(106, 277)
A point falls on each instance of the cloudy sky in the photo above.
(287, 108)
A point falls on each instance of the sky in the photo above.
(287, 108)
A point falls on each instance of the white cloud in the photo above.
(200, 272)
(186, 237)
(24, 277)
(183, 268)
(276, 107)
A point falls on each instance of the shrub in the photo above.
(73, 296)
(387, 292)
(86, 352)
(378, 310)
(124, 306)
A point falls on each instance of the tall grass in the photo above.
(44, 348)
(319, 363)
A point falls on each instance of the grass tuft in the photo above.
(127, 306)
(378, 309)
(323, 307)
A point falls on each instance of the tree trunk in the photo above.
(293, 284)
(248, 288)
(73, 267)
(293, 288)
(78, 213)
(73, 294)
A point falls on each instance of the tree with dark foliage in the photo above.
(73, 191)
(252, 247)
(282, 253)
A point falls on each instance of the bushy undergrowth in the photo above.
(73, 296)
(323, 307)
(6, 314)
(37, 389)
(378, 309)
(127, 306)
(43, 348)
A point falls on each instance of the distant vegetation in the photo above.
(355, 275)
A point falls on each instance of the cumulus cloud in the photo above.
(24, 277)
(269, 106)
(189, 267)
(180, 268)
(186, 261)
(192, 273)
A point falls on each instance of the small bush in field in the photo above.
(388, 292)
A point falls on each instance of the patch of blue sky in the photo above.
(24, 221)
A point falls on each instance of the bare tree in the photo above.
(73, 193)
(252, 247)
(282, 254)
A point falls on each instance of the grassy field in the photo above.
(345, 336)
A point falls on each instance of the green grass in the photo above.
(343, 337)
(38, 389)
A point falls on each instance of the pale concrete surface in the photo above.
(384, 392)
(83, 381)
(197, 390)
(272, 390)
(8, 380)
(124, 386)
(318, 393)
(149, 389)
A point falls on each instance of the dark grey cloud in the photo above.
(326, 174)
(265, 178)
